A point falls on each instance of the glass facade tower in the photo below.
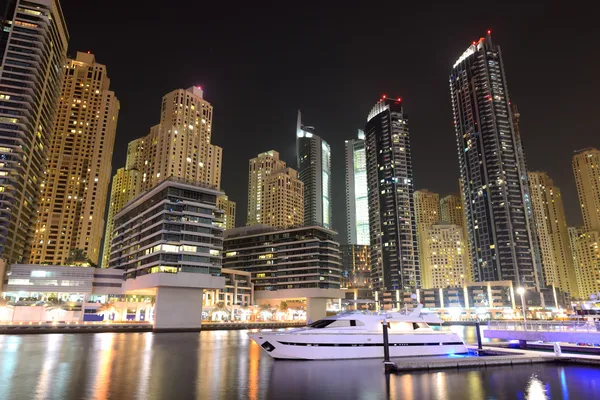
(33, 45)
(393, 231)
(314, 170)
(357, 200)
(492, 169)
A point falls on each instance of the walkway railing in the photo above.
(546, 326)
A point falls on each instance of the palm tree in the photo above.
(219, 308)
(283, 306)
(5, 303)
(104, 308)
(54, 303)
(79, 258)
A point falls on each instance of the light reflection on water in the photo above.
(225, 364)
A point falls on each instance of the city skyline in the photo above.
(423, 83)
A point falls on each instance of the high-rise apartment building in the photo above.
(180, 145)
(126, 185)
(586, 167)
(228, 206)
(314, 169)
(283, 199)
(553, 235)
(75, 188)
(444, 254)
(33, 45)
(586, 257)
(492, 168)
(393, 230)
(260, 168)
(356, 270)
(427, 205)
(302, 258)
(187, 237)
(357, 199)
(451, 210)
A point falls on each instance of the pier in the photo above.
(545, 331)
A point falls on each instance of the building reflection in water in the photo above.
(50, 366)
(9, 357)
(104, 366)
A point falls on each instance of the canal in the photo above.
(226, 365)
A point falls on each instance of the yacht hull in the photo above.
(282, 345)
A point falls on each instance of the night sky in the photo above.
(259, 64)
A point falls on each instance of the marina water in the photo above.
(227, 365)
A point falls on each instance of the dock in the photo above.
(544, 331)
(487, 357)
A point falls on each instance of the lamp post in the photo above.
(521, 291)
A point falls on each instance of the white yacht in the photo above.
(360, 335)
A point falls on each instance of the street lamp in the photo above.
(521, 291)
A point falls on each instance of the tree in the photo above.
(79, 258)
(5, 303)
(54, 303)
(283, 306)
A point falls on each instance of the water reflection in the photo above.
(227, 365)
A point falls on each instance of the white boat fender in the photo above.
(557, 350)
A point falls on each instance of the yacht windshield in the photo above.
(322, 323)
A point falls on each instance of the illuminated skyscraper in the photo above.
(444, 255)
(260, 168)
(553, 235)
(126, 185)
(283, 199)
(451, 210)
(179, 145)
(492, 169)
(314, 169)
(73, 196)
(586, 257)
(357, 199)
(393, 230)
(33, 45)
(228, 206)
(586, 167)
(427, 205)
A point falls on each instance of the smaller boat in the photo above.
(360, 335)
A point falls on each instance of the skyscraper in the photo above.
(126, 185)
(314, 169)
(492, 169)
(444, 255)
(357, 199)
(392, 224)
(586, 256)
(228, 206)
(75, 188)
(553, 235)
(283, 199)
(427, 205)
(586, 167)
(451, 210)
(180, 145)
(260, 168)
(29, 95)
(356, 270)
